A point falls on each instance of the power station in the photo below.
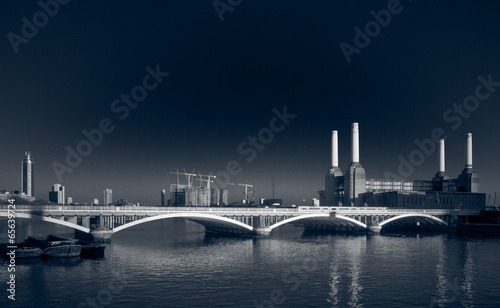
(352, 188)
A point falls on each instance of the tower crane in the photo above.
(188, 176)
(252, 196)
(246, 189)
(208, 179)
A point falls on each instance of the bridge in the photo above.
(103, 221)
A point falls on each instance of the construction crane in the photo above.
(205, 180)
(208, 180)
(166, 174)
(252, 197)
(246, 189)
(188, 176)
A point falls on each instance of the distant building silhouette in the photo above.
(121, 202)
(224, 197)
(187, 195)
(163, 192)
(214, 197)
(108, 196)
(271, 202)
(28, 175)
(57, 194)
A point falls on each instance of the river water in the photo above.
(173, 263)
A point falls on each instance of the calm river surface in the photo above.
(172, 263)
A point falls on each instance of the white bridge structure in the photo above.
(103, 221)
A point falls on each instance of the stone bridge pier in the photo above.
(263, 226)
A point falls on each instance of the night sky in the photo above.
(226, 77)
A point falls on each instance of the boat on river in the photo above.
(22, 251)
(89, 249)
(92, 250)
(55, 247)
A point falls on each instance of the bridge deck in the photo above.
(238, 220)
(126, 210)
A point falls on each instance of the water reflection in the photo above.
(442, 284)
(355, 288)
(346, 267)
(334, 284)
(468, 271)
(64, 262)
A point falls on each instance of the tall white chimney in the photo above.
(468, 157)
(441, 156)
(355, 143)
(335, 149)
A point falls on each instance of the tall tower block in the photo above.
(355, 176)
(108, 196)
(28, 175)
(162, 199)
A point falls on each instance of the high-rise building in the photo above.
(95, 201)
(69, 200)
(108, 198)
(178, 195)
(163, 197)
(28, 175)
(57, 194)
(203, 196)
(214, 197)
(224, 197)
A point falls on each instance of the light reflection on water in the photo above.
(335, 280)
(442, 284)
(174, 264)
(468, 272)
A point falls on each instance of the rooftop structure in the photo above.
(57, 194)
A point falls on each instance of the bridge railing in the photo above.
(364, 209)
(302, 209)
(145, 208)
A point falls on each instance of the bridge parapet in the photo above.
(253, 220)
(302, 209)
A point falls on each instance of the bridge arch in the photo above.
(196, 217)
(323, 215)
(413, 215)
(48, 219)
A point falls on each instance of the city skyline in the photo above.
(424, 147)
(185, 90)
(250, 153)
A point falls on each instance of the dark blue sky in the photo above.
(225, 79)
